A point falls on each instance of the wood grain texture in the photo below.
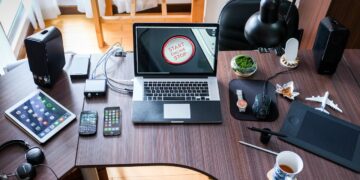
(60, 150)
(153, 173)
(213, 149)
(79, 35)
(163, 7)
(197, 11)
(351, 57)
(97, 23)
(196, 15)
(311, 13)
(108, 8)
(133, 8)
(347, 13)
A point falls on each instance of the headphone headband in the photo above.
(16, 141)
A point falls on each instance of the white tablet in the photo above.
(40, 115)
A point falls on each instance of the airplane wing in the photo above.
(316, 99)
(333, 105)
(323, 110)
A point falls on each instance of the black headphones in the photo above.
(33, 155)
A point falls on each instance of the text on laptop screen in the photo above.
(175, 50)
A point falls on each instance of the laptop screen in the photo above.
(175, 49)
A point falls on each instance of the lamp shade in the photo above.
(265, 28)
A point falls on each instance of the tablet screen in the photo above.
(40, 115)
(335, 138)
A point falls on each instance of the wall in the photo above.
(347, 13)
(214, 7)
(311, 13)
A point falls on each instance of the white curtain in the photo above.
(38, 10)
(125, 5)
(122, 6)
(84, 6)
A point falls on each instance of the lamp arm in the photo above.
(269, 11)
(290, 8)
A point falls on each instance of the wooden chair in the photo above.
(196, 15)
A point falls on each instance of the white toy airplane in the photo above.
(324, 100)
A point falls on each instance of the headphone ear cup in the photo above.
(3, 177)
(25, 171)
(35, 156)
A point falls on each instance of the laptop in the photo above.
(175, 73)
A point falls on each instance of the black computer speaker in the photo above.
(46, 55)
(329, 45)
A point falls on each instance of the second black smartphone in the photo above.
(88, 123)
(112, 121)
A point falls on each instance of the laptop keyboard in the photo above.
(176, 91)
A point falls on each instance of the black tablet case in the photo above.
(250, 89)
(324, 135)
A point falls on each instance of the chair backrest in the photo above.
(234, 16)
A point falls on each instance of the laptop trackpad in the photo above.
(177, 111)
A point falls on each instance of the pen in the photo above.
(266, 131)
(259, 148)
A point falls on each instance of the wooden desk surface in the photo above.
(352, 59)
(60, 150)
(213, 149)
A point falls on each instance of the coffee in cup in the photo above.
(288, 165)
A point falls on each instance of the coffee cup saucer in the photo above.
(270, 173)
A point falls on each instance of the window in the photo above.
(10, 13)
(7, 56)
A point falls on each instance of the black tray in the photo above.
(250, 89)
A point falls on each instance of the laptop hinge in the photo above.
(178, 77)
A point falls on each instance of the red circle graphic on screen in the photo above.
(178, 50)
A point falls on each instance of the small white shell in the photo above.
(287, 90)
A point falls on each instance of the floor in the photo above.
(78, 33)
(154, 173)
(79, 36)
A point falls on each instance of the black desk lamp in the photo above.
(265, 28)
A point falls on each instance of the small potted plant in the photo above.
(243, 65)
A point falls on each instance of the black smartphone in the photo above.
(112, 121)
(88, 123)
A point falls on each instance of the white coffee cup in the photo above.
(288, 165)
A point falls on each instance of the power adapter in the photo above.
(95, 87)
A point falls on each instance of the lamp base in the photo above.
(284, 62)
